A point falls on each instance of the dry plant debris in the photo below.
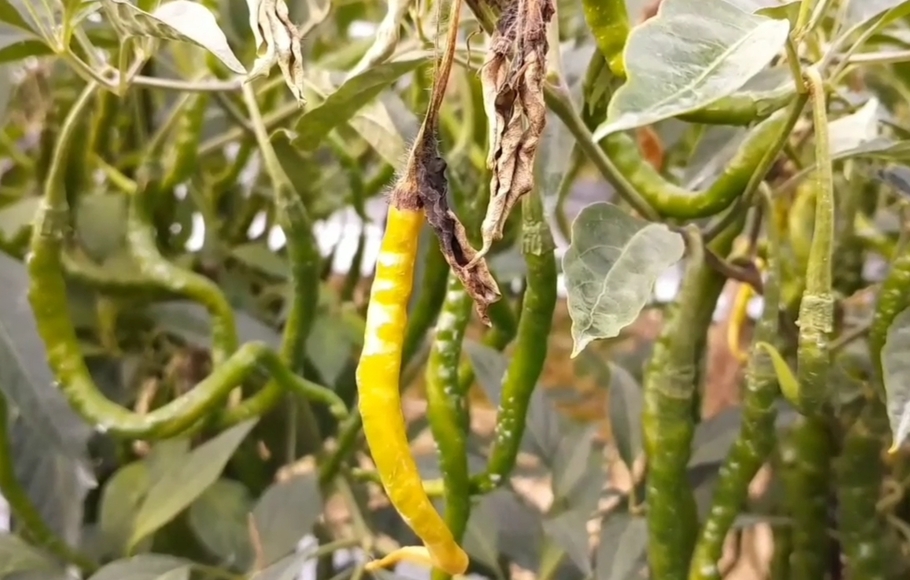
(277, 42)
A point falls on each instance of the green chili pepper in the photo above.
(860, 473)
(505, 326)
(816, 311)
(670, 404)
(180, 156)
(429, 302)
(527, 362)
(673, 201)
(743, 109)
(893, 298)
(756, 436)
(448, 410)
(806, 473)
(22, 508)
(609, 22)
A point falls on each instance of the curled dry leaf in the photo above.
(277, 42)
(512, 79)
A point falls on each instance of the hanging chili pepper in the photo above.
(670, 404)
(447, 408)
(860, 471)
(609, 23)
(816, 311)
(527, 362)
(756, 436)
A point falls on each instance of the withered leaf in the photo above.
(512, 81)
(277, 42)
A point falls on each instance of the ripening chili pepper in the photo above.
(756, 436)
(24, 511)
(527, 362)
(893, 298)
(859, 472)
(670, 200)
(816, 310)
(609, 22)
(806, 473)
(179, 163)
(670, 403)
(447, 407)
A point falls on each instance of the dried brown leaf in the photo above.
(277, 42)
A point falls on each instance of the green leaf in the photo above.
(9, 14)
(101, 224)
(855, 130)
(18, 556)
(179, 20)
(489, 368)
(621, 551)
(573, 462)
(625, 402)
(192, 322)
(694, 52)
(121, 499)
(25, 377)
(610, 269)
(183, 483)
(860, 12)
(714, 437)
(329, 345)
(341, 105)
(258, 256)
(896, 376)
(144, 567)
(568, 529)
(789, 385)
(481, 537)
(219, 520)
(287, 568)
(286, 513)
(16, 45)
(375, 125)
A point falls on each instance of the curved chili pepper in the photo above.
(893, 298)
(670, 391)
(860, 472)
(756, 435)
(806, 473)
(534, 326)
(609, 23)
(670, 200)
(22, 508)
(816, 310)
(447, 408)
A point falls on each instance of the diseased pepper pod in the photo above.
(670, 404)
(756, 436)
(526, 364)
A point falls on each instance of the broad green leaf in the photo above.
(714, 437)
(25, 377)
(489, 368)
(623, 541)
(789, 385)
(16, 45)
(286, 513)
(9, 14)
(179, 20)
(568, 529)
(855, 130)
(521, 533)
(341, 105)
(101, 224)
(18, 556)
(573, 462)
(375, 125)
(610, 269)
(192, 322)
(481, 537)
(219, 520)
(896, 376)
(181, 485)
(121, 499)
(694, 52)
(329, 345)
(164, 457)
(625, 402)
(144, 567)
(259, 256)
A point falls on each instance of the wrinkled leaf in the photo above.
(623, 541)
(852, 131)
(183, 483)
(219, 520)
(568, 530)
(285, 513)
(693, 53)
(143, 567)
(179, 20)
(896, 376)
(625, 407)
(341, 105)
(610, 269)
(18, 556)
(120, 501)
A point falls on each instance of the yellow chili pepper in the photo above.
(380, 401)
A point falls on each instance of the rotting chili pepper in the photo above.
(609, 23)
(48, 298)
(756, 436)
(526, 364)
(670, 399)
(806, 474)
(670, 200)
(447, 408)
(859, 473)
(422, 186)
(24, 511)
(816, 310)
